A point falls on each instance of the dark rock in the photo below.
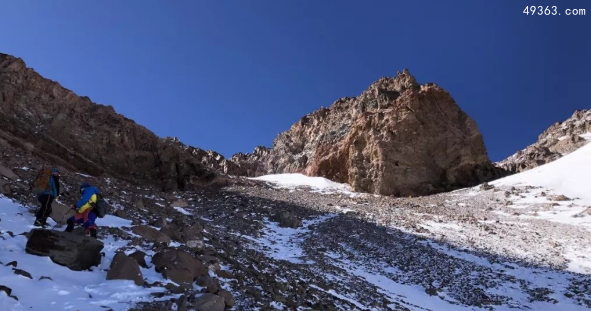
(8, 292)
(140, 257)
(228, 298)
(13, 263)
(225, 274)
(77, 252)
(212, 285)
(287, 220)
(178, 266)
(23, 273)
(209, 302)
(121, 214)
(125, 268)
(8, 173)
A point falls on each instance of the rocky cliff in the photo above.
(72, 131)
(558, 140)
(397, 138)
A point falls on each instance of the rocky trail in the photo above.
(268, 245)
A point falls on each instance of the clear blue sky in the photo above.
(230, 75)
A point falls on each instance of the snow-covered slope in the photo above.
(54, 287)
(293, 181)
(570, 176)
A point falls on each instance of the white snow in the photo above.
(569, 175)
(84, 175)
(285, 243)
(317, 184)
(67, 289)
(182, 211)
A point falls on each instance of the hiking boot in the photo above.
(93, 233)
(70, 226)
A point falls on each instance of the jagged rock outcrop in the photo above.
(66, 129)
(397, 138)
(558, 140)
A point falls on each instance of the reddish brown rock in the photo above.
(397, 138)
(70, 130)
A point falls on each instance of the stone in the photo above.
(77, 252)
(560, 198)
(212, 285)
(125, 268)
(140, 258)
(209, 302)
(179, 203)
(121, 214)
(196, 245)
(225, 274)
(8, 173)
(486, 186)
(151, 234)
(60, 213)
(228, 298)
(179, 266)
(287, 220)
(23, 273)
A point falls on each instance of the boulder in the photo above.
(8, 173)
(60, 213)
(196, 245)
(178, 266)
(140, 257)
(77, 252)
(121, 214)
(212, 285)
(228, 298)
(125, 268)
(151, 234)
(209, 302)
(183, 233)
(287, 220)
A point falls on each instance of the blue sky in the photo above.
(230, 75)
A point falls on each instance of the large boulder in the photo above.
(125, 268)
(77, 252)
(397, 138)
(209, 302)
(179, 266)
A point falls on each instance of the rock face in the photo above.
(40, 115)
(558, 140)
(77, 252)
(397, 138)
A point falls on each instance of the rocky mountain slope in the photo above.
(397, 138)
(294, 243)
(558, 140)
(42, 116)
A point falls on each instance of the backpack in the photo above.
(101, 207)
(41, 182)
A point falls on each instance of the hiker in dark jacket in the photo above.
(47, 197)
(84, 214)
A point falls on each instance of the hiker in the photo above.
(84, 210)
(50, 189)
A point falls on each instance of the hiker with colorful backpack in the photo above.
(47, 188)
(85, 213)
